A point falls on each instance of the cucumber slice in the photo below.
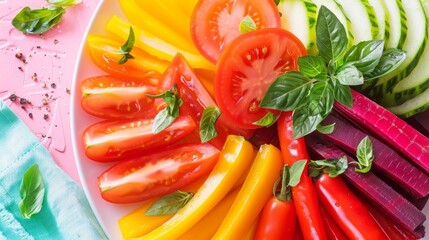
(299, 17)
(377, 17)
(396, 23)
(361, 26)
(415, 105)
(334, 7)
(414, 45)
(418, 80)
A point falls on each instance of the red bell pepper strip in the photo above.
(346, 209)
(333, 231)
(304, 195)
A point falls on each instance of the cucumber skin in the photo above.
(375, 31)
(382, 92)
(413, 106)
(394, 98)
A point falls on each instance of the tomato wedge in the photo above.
(117, 98)
(214, 24)
(105, 53)
(115, 140)
(196, 98)
(157, 174)
(248, 66)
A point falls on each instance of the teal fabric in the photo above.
(65, 212)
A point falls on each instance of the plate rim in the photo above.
(74, 88)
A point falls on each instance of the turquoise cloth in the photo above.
(65, 213)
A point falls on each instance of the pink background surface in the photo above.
(43, 75)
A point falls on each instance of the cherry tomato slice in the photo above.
(115, 140)
(157, 174)
(214, 24)
(105, 53)
(117, 98)
(248, 66)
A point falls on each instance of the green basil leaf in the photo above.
(64, 3)
(389, 61)
(296, 172)
(326, 129)
(333, 167)
(313, 67)
(37, 21)
(32, 192)
(169, 204)
(313, 171)
(364, 155)
(268, 120)
(307, 118)
(162, 121)
(350, 75)
(304, 122)
(207, 123)
(331, 36)
(277, 2)
(365, 56)
(343, 94)
(288, 92)
(166, 116)
(127, 47)
(247, 25)
(323, 92)
(341, 166)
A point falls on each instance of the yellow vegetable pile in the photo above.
(223, 207)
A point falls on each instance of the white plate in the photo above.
(106, 213)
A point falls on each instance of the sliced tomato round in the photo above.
(118, 98)
(157, 174)
(115, 140)
(214, 24)
(248, 66)
(105, 53)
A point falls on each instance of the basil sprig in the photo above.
(336, 167)
(166, 116)
(325, 78)
(37, 21)
(127, 47)
(207, 123)
(32, 192)
(169, 204)
(332, 167)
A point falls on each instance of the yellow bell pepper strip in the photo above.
(153, 45)
(142, 18)
(105, 54)
(137, 224)
(234, 159)
(250, 235)
(179, 21)
(209, 224)
(187, 6)
(256, 190)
